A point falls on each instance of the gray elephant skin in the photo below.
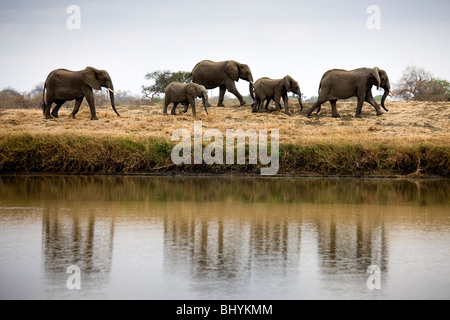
(64, 85)
(341, 84)
(185, 93)
(222, 74)
(267, 89)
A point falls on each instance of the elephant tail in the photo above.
(43, 98)
(187, 78)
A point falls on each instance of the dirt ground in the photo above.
(406, 123)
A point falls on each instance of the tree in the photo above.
(11, 98)
(128, 98)
(161, 80)
(37, 90)
(8, 93)
(446, 86)
(419, 85)
(431, 91)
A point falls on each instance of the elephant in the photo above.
(342, 84)
(274, 89)
(223, 74)
(185, 93)
(64, 85)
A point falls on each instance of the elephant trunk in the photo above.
(387, 92)
(111, 97)
(250, 88)
(110, 87)
(300, 101)
(205, 102)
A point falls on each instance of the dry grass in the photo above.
(408, 125)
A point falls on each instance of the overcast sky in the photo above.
(301, 38)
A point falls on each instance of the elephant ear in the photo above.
(288, 83)
(191, 89)
(200, 91)
(376, 74)
(89, 77)
(232, 69)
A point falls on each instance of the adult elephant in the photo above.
(275, 89)
(223, 74)
(341, 84)
(64, 85)
(184, 93)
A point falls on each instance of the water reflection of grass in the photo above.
(119, 189)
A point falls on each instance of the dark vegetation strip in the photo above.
(64, 154)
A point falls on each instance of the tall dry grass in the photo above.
(406, 123)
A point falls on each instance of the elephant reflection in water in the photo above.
(220, 247)
(83, 240)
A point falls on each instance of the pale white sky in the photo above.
(301, 38)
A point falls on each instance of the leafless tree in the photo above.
(418, 84)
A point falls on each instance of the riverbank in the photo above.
(413, 139)
(65, 154)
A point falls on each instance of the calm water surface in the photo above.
(223, 238)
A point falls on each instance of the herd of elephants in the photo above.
(64, 85)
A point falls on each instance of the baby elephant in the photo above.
(185, 93)
(270, 89)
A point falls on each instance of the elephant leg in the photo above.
(76, 108)
(174, 109)
(186, 107)
(264, 106)
(255, 105)
(268, 103)
(166, 105)
(222, 90)
(192, 103)
(90, 100)
(261, 104)
(47, 108)
(371, 100)
(359, 106)
(276, 99)
(286, 105)
(334, 112)
(56, 109)
(280, 106)
(316, 105)
(232, 89)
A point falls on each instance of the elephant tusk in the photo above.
(391, 94)
(114, 92)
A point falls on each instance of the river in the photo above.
(223, 238)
